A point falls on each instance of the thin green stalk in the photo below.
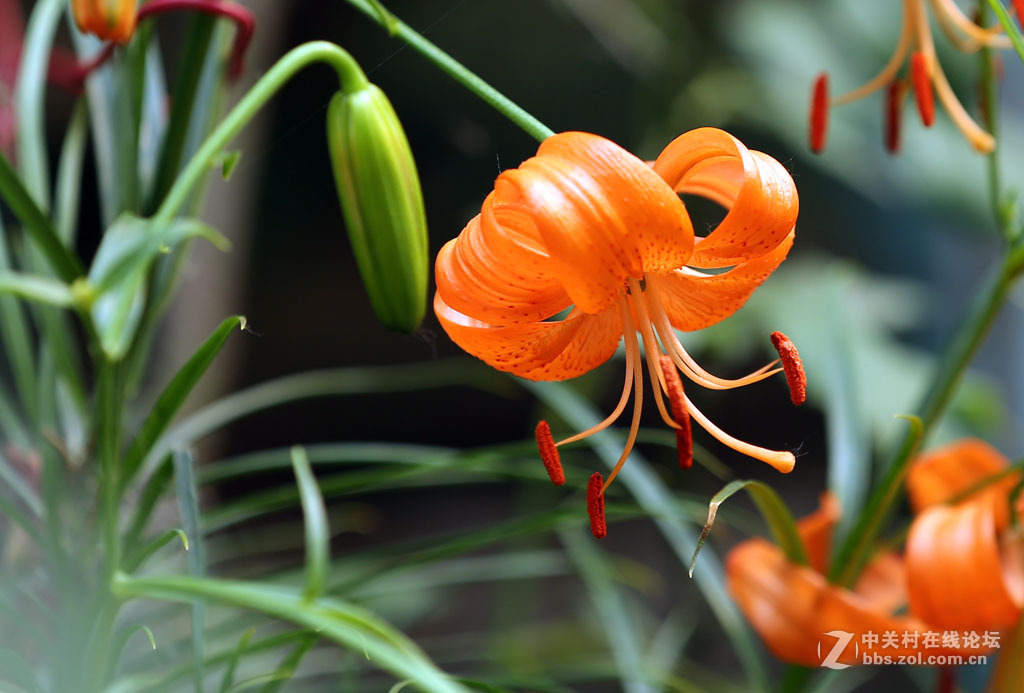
(454, 69)
(349, 74)
(854, 552)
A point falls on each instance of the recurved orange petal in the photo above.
(957, 576)
(497, 270)
(816, 530)
(694, 300)
(555, 350)
(941, 474)
(793, 607)
(756, 189)
(603, 215)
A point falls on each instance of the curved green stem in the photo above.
(454, 69)
(349, 74)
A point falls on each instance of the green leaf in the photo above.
(286, 669)
(16, 672)
(188, 506)
(36, 288)
(227, 165)
(619, 628)
(174, 395)
(650, 493)
(317, 532)
(1009, 25)
(69, 174)
(17, 341)
(119, 272)
(37, 224)
(346, 624)
(124, 634)
(773, 510)
(133, 562)
(229, 672)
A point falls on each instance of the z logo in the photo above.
(842, 640)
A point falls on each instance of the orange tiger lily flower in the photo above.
(110, 20)
(925, 73)
(963, 568)
(587, 227)
(793, 607)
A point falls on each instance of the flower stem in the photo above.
(455, 70)
(349, 74)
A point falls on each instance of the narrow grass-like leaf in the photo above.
(654, 498)
(36, 223)
(619, 627)
(30, 98)
(315, 519)
(325, 383)
(188, 506)
(36, 288)
(348, 625)
(228, 680)
(135, 560)
(69, 175)
(286, 669)
(124, 634)
(1016, 38)
(16, 338)
(12, 426)
(773, 510)
(155, 487)
(15, 672)
(174, 395)
(13, 480)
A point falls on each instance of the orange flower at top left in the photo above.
(586, 227)
(110, 20)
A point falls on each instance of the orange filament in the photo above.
(782, 460)
(894, 115)
(793, 366)
(549, 453)
(677, 400)
(920, 76)
(595, 506)
(819, 113)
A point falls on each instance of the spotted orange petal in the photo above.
(555, 350)
(957, 575)
(756, 189)
(603, 215)
(694, 301)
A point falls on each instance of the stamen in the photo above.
(549, 453)
(595, 506)
(920, 76)
(982, 141)
(952, 17)
(819, 113)
(638, 402)
(894, 115)
(627, 387)
(1018, 6)
(687, 364)
(888, 73)
(650, 349)
(782, 460)
(677, 398)
(793, 366)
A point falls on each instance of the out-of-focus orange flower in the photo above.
(110, 20)
(925, 72)
(963, 568)
(955, 574)
(586, 227)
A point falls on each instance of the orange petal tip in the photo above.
(595, 506)
(792, 366)
(549, 453)
(819, 113)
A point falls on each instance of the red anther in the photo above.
(1018, 5)
(549, 453)
(894, 114)
(680, 414)
(595, 506)
(793, 367)
(819, 113)
(922, 80)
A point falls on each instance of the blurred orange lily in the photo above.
(110, 20)
(925, 73)
(586, 227)
(953, 575)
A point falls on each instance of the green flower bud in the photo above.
(381, 200)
